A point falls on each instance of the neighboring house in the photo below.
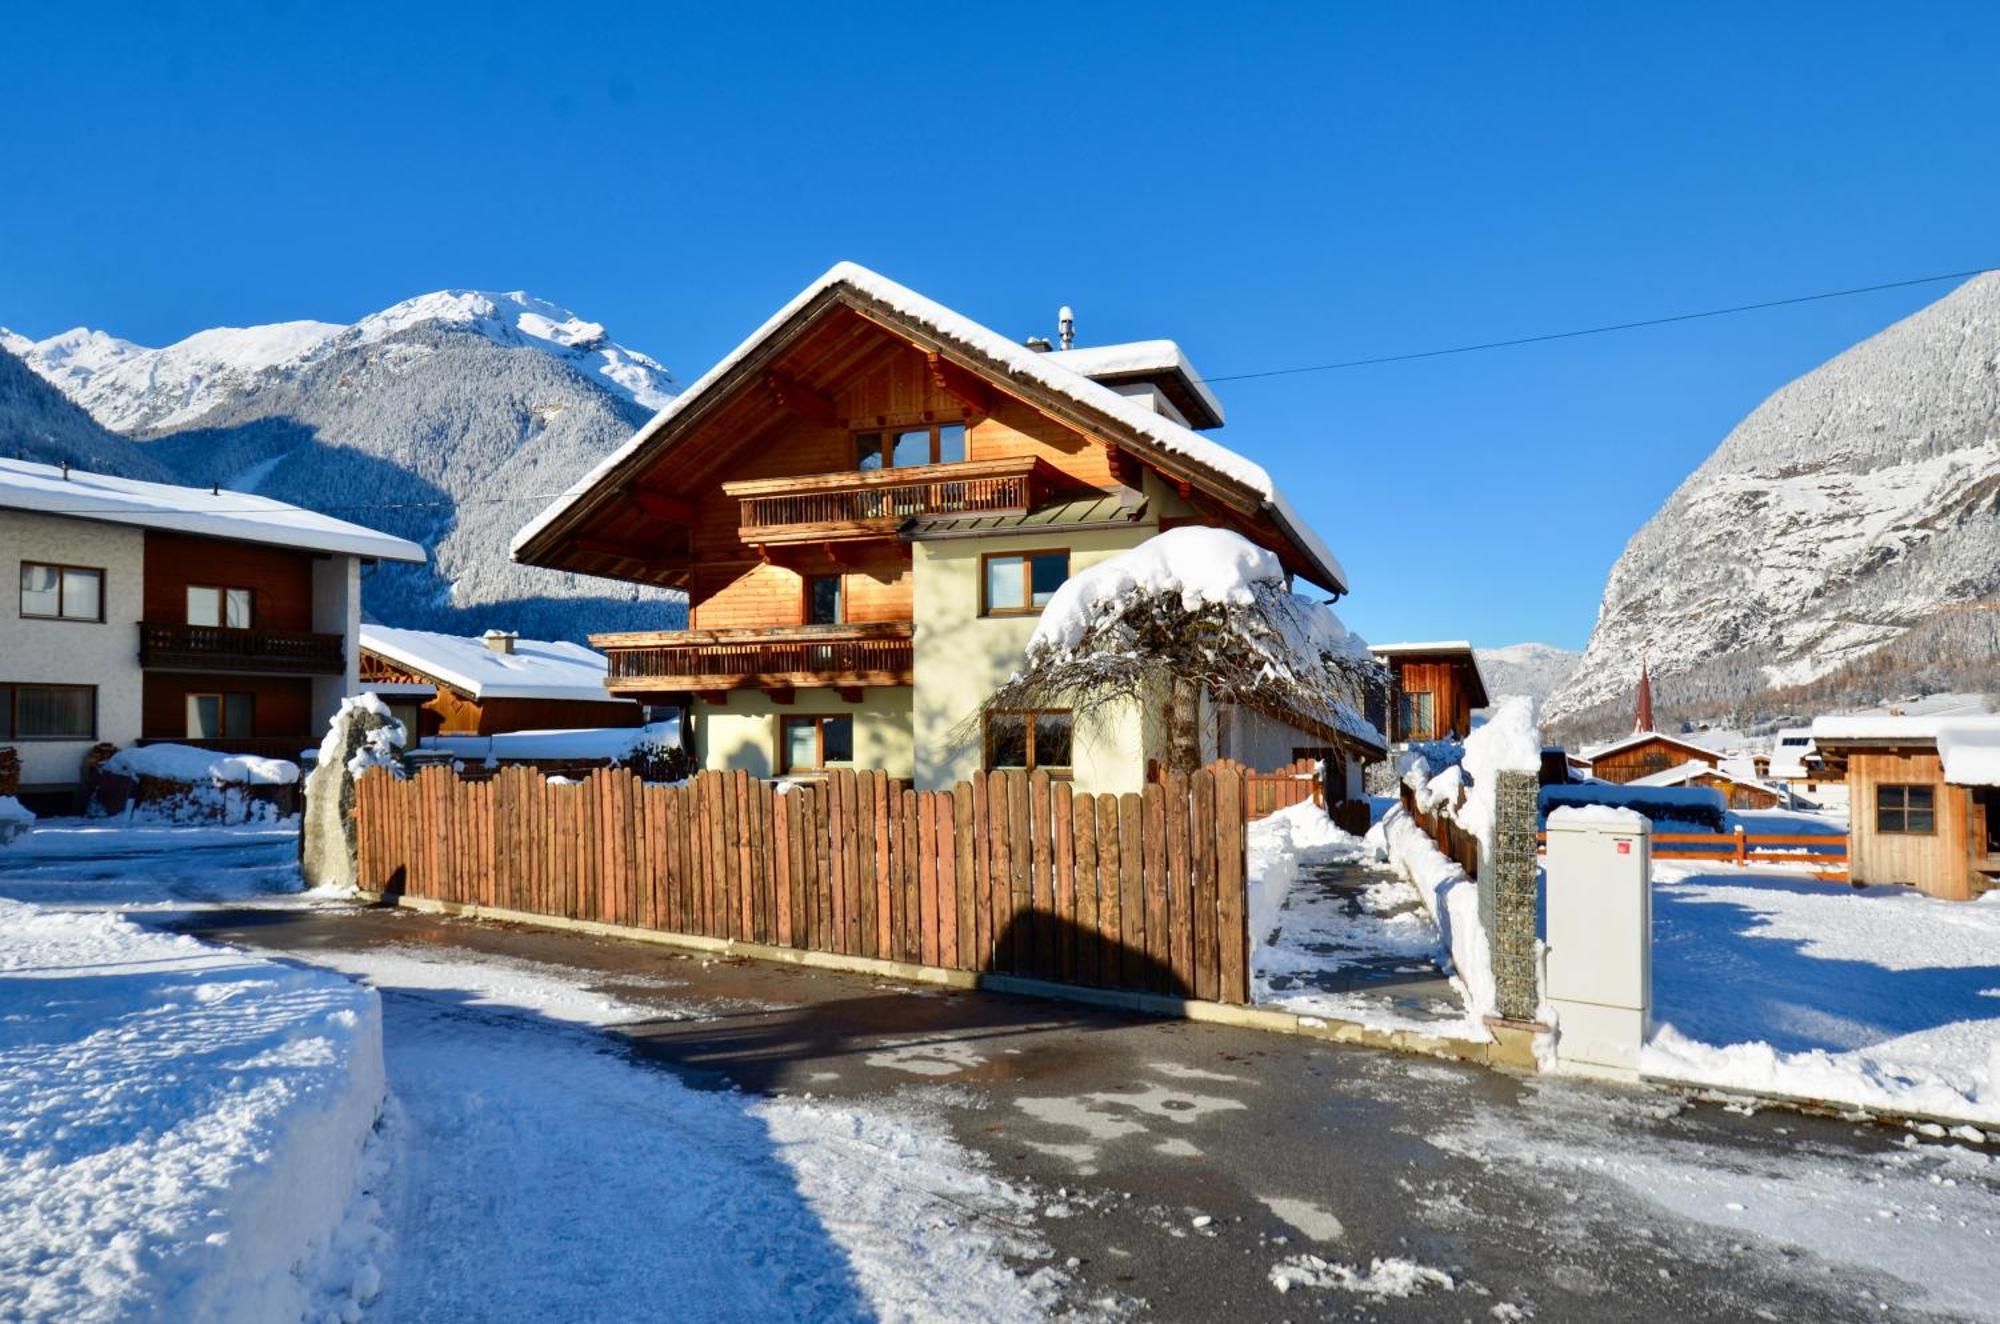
(445, 684)
(1644, 753)
(147, 613)
(869, 501)
(1740, 791)
(1795, 761)
(1924, 799)
(1436, 688)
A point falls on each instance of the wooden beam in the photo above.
(624, 551)
(784, 694)
(849, 693)
(801, 399)
(962, 383)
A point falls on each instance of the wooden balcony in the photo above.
(778, 657)
(207, 648)
(874, 503)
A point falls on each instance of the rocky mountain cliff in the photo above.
(449, 419)
(1535, 670)
(1857, 505)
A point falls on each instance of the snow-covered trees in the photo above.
(1190, 613)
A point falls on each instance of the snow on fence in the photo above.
(1010, 873)
(1826, 851)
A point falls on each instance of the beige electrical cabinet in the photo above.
(1600, 936)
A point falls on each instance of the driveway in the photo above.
(1201, 1172)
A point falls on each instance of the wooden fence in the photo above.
(1826, 851)
(1010, 873)
(1265, 793)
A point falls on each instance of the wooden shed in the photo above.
(1924, 795)
(1436, 687)
(452, 685)
(1646, 754)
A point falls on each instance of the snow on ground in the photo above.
(520, 1125)
(95, 862)
(201, 767)
(1772, 982)
(1451, 898)
(181, 1126)
(1911, 1228)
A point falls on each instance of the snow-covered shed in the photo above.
(1436, 687)
(482, 685)
(1924, 796)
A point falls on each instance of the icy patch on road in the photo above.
(181, 1126)
(1384, 1278)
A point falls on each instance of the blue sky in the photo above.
(1271, 185)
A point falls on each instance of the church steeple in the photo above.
(1643, 720)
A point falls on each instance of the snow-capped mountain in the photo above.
(141, 391)
(1531, 669)
(449, 419)
(38, 422)
(1854, 512)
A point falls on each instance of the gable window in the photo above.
(220, 716)
(824, 604)
(1905, 810)
(221, 608)
(48, 712)
(61, 592)
(1419, 715)
(1029, 738)
(903, 448)
(1020, 583)
(814, 744)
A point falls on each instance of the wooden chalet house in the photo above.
(868, 503)
(1645, 754)
(1435, 687)
(1923, 799)
(151, 613)
(491, 684)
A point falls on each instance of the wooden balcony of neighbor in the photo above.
(873, 503)
(208, 648)
(778, 657)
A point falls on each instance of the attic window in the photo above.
(903, 448)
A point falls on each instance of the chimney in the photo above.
(1040, 344)
(500, 641)
(1066, 326)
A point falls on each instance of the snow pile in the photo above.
(201, 767)
(1384, 1278)
(1452, 899)
(16, 819)
(184, 1125)
(1279, 844)
(608, 744)
(1629, 820)
(1970, 750)
(1882, 998)
(380, 747)
(1508, 742)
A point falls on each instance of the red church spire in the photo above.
(1644, 720)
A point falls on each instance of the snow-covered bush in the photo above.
(1189, 613)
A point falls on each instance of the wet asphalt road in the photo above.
(1180, 1164)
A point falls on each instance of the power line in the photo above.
(1603, 330)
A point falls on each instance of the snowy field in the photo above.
(1769, 981)
(190, 1132)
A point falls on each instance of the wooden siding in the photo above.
(279, 578)
(1010, 873)
(282, 706)
(1446, 681)
(1940, 863)
(1655, 754)
(744, 593)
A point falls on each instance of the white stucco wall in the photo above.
(104, 654)
(336, 590)
(743, 731)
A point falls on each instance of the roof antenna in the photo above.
(1066, 326)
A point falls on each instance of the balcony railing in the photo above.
(206, 648)
(874, 502)
(780, 657)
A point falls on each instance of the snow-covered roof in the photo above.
(1790, 748)
(25, 485)
(612, 744)
(1592, 754)
(1438, 646)
(536, 669)
(1009, 359)
(1136, 359)
(1682, 774)
(1969, 747)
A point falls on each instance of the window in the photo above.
(1029, 739)
(1905, 809)
(1020, 583)
(1419, 715)
(48, 712)
(823, 600)
(901, 448)
(814, 744)
(62, 592)
(220, 716)
(224, 608)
